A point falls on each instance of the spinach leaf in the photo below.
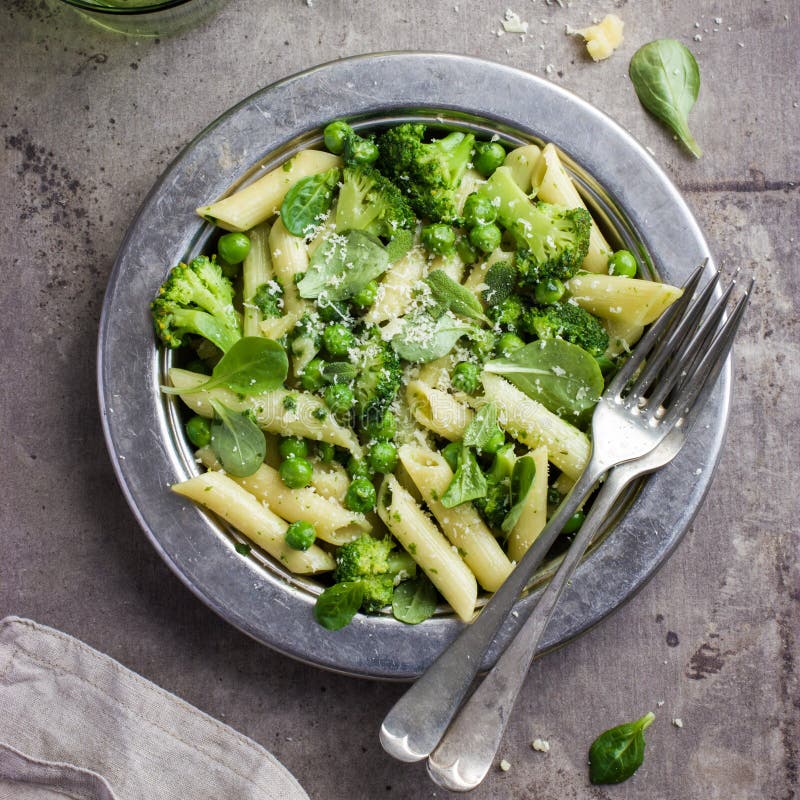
(469, 482)
(400, 244)
(667, 80)
(237, 442)
(453, 296)
(616, 754)
(482, 428)
(424, 338)
(342, 265)
(308, 201)
(252, 366)
(337, 605)
(521, 482)
(560, 375)
(414, 601)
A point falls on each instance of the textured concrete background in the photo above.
(89, 120)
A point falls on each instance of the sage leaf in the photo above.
(252, 366)
(237, 442)
(482, 428)
(521, 482)
(337, 605)
(343, 265)
(308, 201)
(339, 371)
(453, 296)
(561, 376)
(667, 81)
(414, 601)
(469, 482)
(424, 338)
(400, 245)
(617, 753)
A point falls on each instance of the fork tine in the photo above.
(658, 331)
(686, 359)
(695, 389)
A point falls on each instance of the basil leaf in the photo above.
(667, 81)
(252, 366)
(521, 483)
(237, 442)
(400, 244)
(337, 605)
(343, 265)
(453, 296)
(424, 338)
(469, 482)
(617, 753)
(339, 371)
(414, 601)
(560, 375)
(482, 428)
(308, 201)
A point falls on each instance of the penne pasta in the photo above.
(330, 481)
(289, 258)
(522, 161)
(256, 271)
(622, 336)
(438, 411)
(534, 511)
(396, 289)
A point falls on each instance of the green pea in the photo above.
(326, 452)
(312, 377)
(488, 157)
(357, 468)
(198, 429)
(335, 134)
(384, 429)
(296, 472)
(233, 247)
(465, 377)
(293, 447)
(332, 310)
(573, 524)
(549, 291)
(358, 150)
(466, 252)
(450, 454)
(438, 238)
(623, 263)
(495, 442)
(478, 210)
(382, 457)
(338, 339)
(300, 535)
(485, 237)
(483, 344)
(339, 398)
(230, 271)
(361, 496)
(366, 296)
(508, 343)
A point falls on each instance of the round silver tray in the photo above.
(626, 190)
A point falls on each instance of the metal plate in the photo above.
(624, 186)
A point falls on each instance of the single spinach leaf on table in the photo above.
(521, 483)
(424, 338)
(469, 482)
(414, 601)
(561, 376)
(338, 604)
(308, 201)
(667, 81)
(617, 753)
(454, 297)
(237, 442)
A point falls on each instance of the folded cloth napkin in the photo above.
(75, 723)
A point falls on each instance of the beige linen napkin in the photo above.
(75, 723)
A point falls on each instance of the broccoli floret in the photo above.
(497, 503)
(371, 203)
(482, 344)
(268, 299)
(196, 298)
(552, 241)
(508, 313)
(379, 377)
(501, 281)
(428, 172)
(569, 322)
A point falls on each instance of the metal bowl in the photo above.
(628, 193)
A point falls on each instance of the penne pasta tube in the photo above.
(262, 199)
(330, 481)
(622, 336)
(289, 258)
(522, 161)
(471, 181)
(462, 525)
(226, 498)
(412, 527)
(534, 511)
(452, 265)
(395, 291)
(532, 424)
(306, 415)
(438, 411)
(277, 327)
(256, 271)
(476, 280)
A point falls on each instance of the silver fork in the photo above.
(625, 427)
(468, 748)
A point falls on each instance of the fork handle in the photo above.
(416, 723)
(469, 747)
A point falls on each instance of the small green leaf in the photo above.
(617, 753)
(414, 601)
(252, 366)
(237, 442)
(453, 296)
(337, 605)
(424, 338)
(400, 244)
(339, 371)
(469, 482)
(482, 428)
(308, 201)
(667, 81)
(521, 483)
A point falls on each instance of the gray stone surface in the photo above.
(89, 119)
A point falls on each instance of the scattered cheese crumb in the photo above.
(603, 38)
(541, 745)
(513, 24)
(698, 37)
(718, 20)
(549, 69)
(660, 703)
(677, 722)
(505, 766)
